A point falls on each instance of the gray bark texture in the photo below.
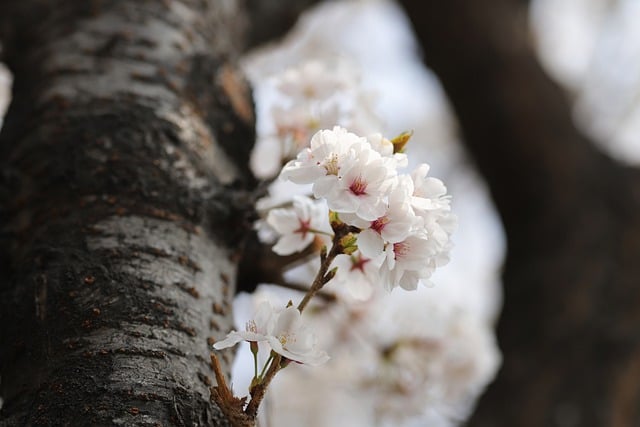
(125, 199)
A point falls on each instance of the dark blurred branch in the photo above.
(259, 264)
(515, 120)
(570, 325)
(271, 19)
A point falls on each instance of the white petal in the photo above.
(292, 243)
(283, 220)
(324, 185)
(230, 340)
(359, 287)
(371, 208)
(370, 243)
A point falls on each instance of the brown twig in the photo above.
(232, 407)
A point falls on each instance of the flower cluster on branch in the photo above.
(385, 229)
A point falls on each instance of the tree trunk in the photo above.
(126, 197)
(570, 326)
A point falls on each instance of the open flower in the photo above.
(299, 224)
(283, 330)
(405, 221)
(257, 329)
(407, 262)
(392, 227)
(363, 183)
(357, 274)
(293, 340)
(327, 151)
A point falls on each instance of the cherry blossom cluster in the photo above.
(313, 95)
(349, 223)
(378, 228)
(402, 222)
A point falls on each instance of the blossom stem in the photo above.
(275, 361)
(327, 296)
(313, 230)
(266, 365)
(258, 392)
(254, 351)
(322, 277)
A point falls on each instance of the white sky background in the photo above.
(591, 46)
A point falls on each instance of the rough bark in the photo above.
(125, 201)
(570, 326)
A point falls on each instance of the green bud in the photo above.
(400, 141)
(334, 220)
(349, 243)
(330, 274)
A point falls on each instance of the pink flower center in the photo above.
(378, 224)
(357, 263)
(305, 227)
(358, 186)
(401, 249)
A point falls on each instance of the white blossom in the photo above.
(323, 159)
(315, 94)
(442, 367)
(361, 185)
(283, 330)
(385, 147)
(345, 170)
(293, 340)
(298, 225)
(397, 360)
(428, 193)
(394, 226)
(409, 359)
(257, 329)
(316, 79)
(296, 124)
(357, 274)
(406, 262)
